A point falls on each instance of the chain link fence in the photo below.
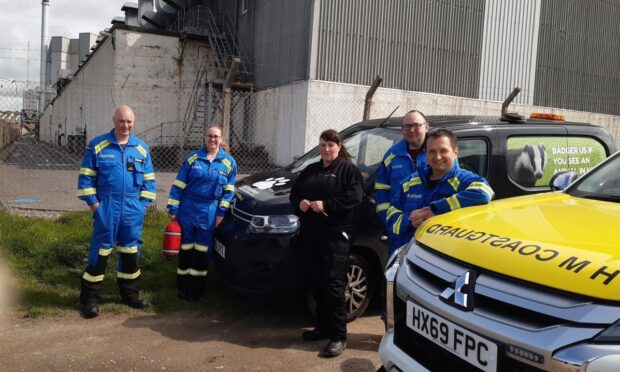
(40, 157)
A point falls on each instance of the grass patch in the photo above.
(47, 259)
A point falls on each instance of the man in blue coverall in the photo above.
(440, 187)
(402, 159)
(117, 182)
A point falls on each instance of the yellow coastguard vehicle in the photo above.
(523, 284)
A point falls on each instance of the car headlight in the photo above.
(274, 224)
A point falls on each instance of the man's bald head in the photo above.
(123, 109)
(123, 123)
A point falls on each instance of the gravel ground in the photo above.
(184, 341)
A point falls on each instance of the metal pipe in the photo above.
(45, 6)
(369, 94)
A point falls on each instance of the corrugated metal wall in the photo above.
(423, 45)
(578, 65)
(277, 33)
(509, 49)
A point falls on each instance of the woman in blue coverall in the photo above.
(199, 199)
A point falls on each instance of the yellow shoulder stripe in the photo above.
(141, 150)
(388, 160)
(227, 163)
(101, 145)
(412, 182)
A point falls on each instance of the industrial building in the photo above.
(305, 65)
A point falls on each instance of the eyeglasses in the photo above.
(413, 126)
(212, 136)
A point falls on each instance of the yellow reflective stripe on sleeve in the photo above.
(88, 172)
(229, 188)
(453, 202)
(180, 184)
(396, 228)
(92, 279)
(173, 202)
(182, 271)
(133, 249)
(391, 211)
(192, 159)
(201, 248)
(382, 186)
(412, 182)
(224, 204)
(141, 149)
(101, 145)
(88, 191)
(388, 160)
(149, 176)
(121, 275)
(227, 163)
(188, 246)
(455, 183)
(193, 272)
(484, 187)
(382, 207)
(148, 195)
(105, 251)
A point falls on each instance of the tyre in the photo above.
(359, 291)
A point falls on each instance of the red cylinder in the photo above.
(172, 239)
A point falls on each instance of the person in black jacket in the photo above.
(325, 197)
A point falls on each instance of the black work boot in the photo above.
(89, 311)
(334, 348)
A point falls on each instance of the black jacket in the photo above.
(340, 188)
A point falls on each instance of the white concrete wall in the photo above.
(142, 70)
(280, 121)
(289, 119)
(86, 103)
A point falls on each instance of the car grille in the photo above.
(434, 357)
(239, 213)
(497, 298)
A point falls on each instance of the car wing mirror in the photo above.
(561, 180)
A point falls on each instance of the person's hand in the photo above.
(218, 220)
(94, 207)
(317, 206)
(419, 216)
(304, 205)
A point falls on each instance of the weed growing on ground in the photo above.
(48, 257)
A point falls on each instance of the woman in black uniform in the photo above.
(325, 197)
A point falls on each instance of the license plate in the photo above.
(461, 342)
(220, 248)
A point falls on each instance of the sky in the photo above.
(20, 22)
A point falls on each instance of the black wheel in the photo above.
(359, 291)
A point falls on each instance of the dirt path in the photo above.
(196, 341)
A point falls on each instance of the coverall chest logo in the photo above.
(461, 294)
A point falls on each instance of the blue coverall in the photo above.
(121, 179)
(396, 166)
(456, 189)
(202, 190)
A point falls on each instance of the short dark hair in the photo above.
(442, 132)
(416, 112)
(330, 135)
